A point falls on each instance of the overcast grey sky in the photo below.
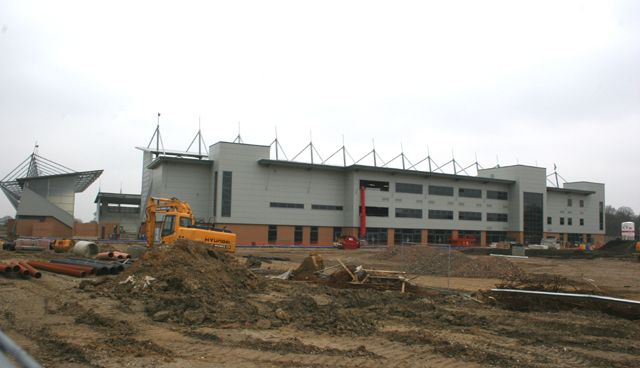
(530, 82)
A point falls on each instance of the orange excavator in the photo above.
(179, 223)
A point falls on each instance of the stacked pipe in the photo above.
(113, 255)
(100, 267)
(21, 268)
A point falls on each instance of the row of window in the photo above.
(380, 235)
(570, 202)
(272, 235)
(569, 221)
(301, 206)
(440, 190)
(435, 214)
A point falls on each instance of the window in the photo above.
(272, 236)
(470, 193)
(470, 216)
(569, 221)
(439, 236)
(569, 202)
(327, 207)
(285, 205)
(313, 235)
(581, 222)
(470, 234)
(494, 194)
(498, 217)
(409, 213)
(215, 193)
(582, 203)
(440, 215)
(375, 211)
(376, 235)
(574, 238)
(407, 236)
(549, 221)
(532, 217)
(185, 221)
(496, 236)
(337, 231)
(382, 186)
(409, 188)
(601, 216)
(168, 225)
(297, 235)
(226, 194)
(441, 191)
(561, 220)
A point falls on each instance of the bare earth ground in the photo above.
(272, 323)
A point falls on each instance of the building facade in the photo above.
(269, 201)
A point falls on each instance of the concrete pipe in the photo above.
(84, 248)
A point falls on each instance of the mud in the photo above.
(202, 309)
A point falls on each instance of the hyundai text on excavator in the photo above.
(179, 223)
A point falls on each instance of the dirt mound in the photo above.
(189, 282)
(552, 283)
(429, 261)
(618, 247)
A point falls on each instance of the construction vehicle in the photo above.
(179, 223)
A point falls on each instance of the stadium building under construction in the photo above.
(274, 201)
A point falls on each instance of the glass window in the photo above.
(409, 212)
(470, 234)
(226, 194)
(313, 235)
(569, 202)
(569, 221)
(328, 207)
(498, 217)
(561, 220)
(495, 194)
(582, 203)
(297, 235)
(532, 217)
(496, 236)
(382, 186)
(470, 193)
(574, 238)
(440, 190)
(168, 225)
(440, 215)
(375, 211)
(581, 222)
(470, 216)
(549, 221)
(215, 193)
(337, 231)
(409, 188)
(273, 234)
(439, 236)
(601, 216)
(185, 221)
(285, 205)
(407, 236)
(376, 236)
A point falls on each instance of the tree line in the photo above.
(615, 217)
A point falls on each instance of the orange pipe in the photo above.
(58, 268)
(23, 271)
(32, 271)
(9, 268)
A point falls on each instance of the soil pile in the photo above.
(424, 260)
(188, 282)
(618, 247)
